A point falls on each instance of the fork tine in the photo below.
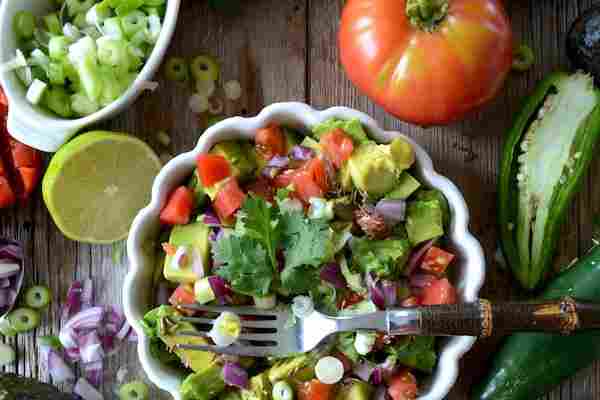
(250, 351)
(245, 323)
(235, 310)
(257, 337)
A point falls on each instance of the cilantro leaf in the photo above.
(244, 264)
(305, 241)
(299, 279)
(416, 352)
(259, 220)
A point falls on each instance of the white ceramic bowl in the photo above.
(137, 290)
(41, 129)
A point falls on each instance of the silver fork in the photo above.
(268, 332)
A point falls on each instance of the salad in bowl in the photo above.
(308, 217)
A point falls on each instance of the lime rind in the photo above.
(96, 184)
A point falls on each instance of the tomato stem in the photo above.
(426, 14)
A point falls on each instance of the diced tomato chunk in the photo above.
(262, 188)
(212, 168)
(305, 186)
(3, 103)
(436, 260)
(7, 195)
(23, 155)
(270, 141)
(338, 146)
(440, 291)
(179, 207)
(350, 299)
(30, 178)
(315, 390)
(184, 294)
(318, 172)
(403, 386)
(229, 199)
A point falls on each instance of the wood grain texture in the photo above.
(286, 50)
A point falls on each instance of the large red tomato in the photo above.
(447, 59)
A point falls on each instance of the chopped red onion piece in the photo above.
(278, 162)
(86, 391)
(364, 370)
(124, 331)
(11, 250)
(211, 219)
(9, 268)
(4, 283)
(93, 372)
(73, 302)
(55, 365)
(302, 153)
(87, 293)
(90, 347)
(72, 354)
(390, 293)
(421, 280)
(417, 256)
(392, 211)
(234, 375)
(377, 376)
(90, 318)
(332, 273)
(220, 289)
(375, 291)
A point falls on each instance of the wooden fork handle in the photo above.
(482, 318)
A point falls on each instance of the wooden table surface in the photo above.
(286, 50)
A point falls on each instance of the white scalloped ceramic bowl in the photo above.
(137, 290)
(41, 129)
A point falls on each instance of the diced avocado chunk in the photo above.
(424, 220)
(352, 127)
(195, 237)
(402, 153)
(405, 186)
(163, 323)
(259, 389)
(355, 390)
(240, 155)
(434, 194)
(283, 369)
(200, 196)
(373, 169)
(311, 144)
(384, 258)
(205, 385)
(197, 361)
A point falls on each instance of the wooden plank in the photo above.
(468, 152)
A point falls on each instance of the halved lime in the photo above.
(96, 184)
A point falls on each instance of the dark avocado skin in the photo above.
(13, 387)
(530, 364)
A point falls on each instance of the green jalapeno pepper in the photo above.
(545, 156)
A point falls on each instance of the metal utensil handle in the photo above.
(481, 318)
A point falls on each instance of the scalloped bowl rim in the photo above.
(470, 277)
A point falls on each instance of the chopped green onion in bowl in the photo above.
(84, 55)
